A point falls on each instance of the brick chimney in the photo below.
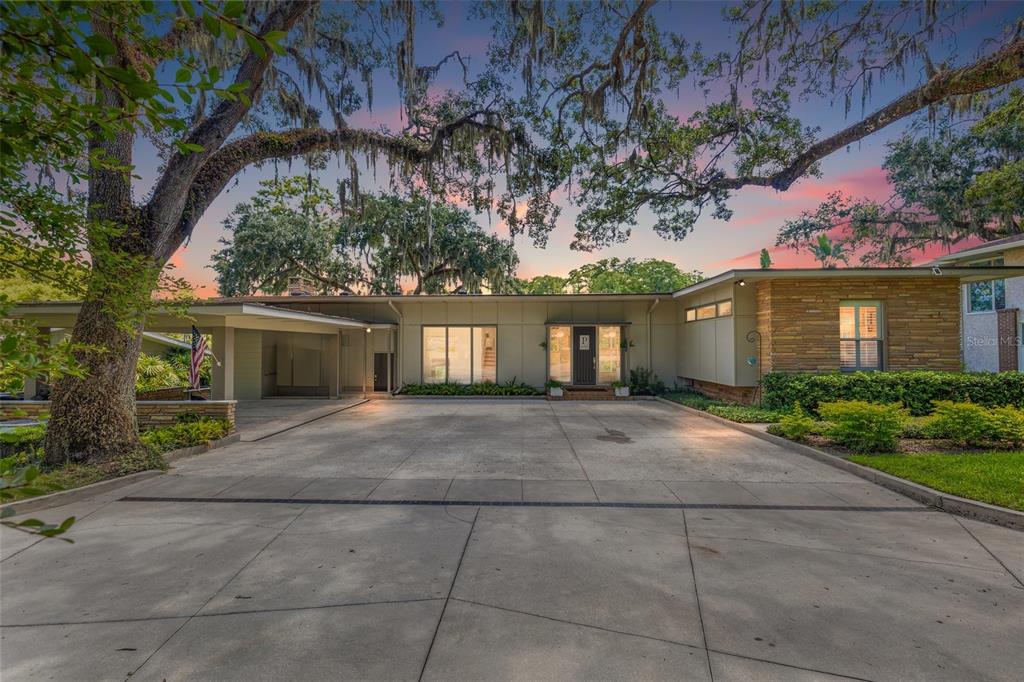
(300, 286)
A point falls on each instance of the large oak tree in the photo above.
(571, 93)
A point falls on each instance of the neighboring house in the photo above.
(993, 324)
(718, 336)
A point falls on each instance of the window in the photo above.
(860, 335)
(560, 354)
(459, 354)
(986, 296)
(485, 353)
(709, 311)
(609, 355)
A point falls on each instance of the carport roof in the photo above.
(204, 314)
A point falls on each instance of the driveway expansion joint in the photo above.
(524, 503)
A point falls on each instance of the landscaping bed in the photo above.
(23, 450)
(743, 414)
(485, 388)
(962, 449)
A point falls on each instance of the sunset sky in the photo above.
(714, 245)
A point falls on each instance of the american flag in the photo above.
(198, 352)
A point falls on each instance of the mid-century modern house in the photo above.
(992, 323)
(717, 336)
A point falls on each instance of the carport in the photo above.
(264, 351)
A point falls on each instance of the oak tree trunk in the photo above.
(92, 419)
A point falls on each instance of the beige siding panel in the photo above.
(248, 364)
(534, 360)
(535, 312)
(584, 311)
(611, 311)
(485, 313)
(510, 312)
(434, 313)
(411, 312)
(510, 351)
(412, 340)
(460, 313)
(559, 311)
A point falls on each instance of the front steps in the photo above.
(587, 393)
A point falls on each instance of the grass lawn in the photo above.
(745, 414)
(993, 477)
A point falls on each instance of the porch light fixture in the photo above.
(741, 283)
(368, 330)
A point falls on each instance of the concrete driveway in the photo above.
(511, 540)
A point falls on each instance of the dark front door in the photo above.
(380, 371)
(584, 355)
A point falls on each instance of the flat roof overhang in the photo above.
(450, 298)
(965, 274)
(254, 316)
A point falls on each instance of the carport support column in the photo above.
(333, 363)
(31, 386)
(224, 365)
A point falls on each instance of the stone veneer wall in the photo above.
(799, 321)
(1008, 341)
(151, 413)
(170, 393)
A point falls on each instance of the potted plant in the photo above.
(621, 389)
(554, 388)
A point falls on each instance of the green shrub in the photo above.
(795, 425)
(153, 372)
(185, 434)
(863, 426)
(489, 388)
(643, 381)
(915, 390)
(962, 423)
(918, 427)
(744, 414)
(21, 439)
(1008, 424)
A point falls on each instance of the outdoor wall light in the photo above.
(741, 283)
(369, 331)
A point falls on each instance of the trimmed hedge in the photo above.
(915, 390)
(483, 388)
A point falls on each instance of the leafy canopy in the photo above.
(295, 228)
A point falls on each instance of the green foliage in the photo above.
(963, 423)
(21, 440)
(184, 434)
(542, 285)
(295, 227)
(916, 390)
(24, 353)
(153, 372)
(766, 259)
(949, 186)
(796, 425)
(1008, 424)
(630, 276)
(744, 414)
(553, 383)
(642, 381)
(863, 426)
(485, 388)
(992, 477)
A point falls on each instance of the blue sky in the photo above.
(714, 245)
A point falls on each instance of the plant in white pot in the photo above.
(554, 388)
(621, 389)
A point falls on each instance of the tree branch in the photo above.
(1002, 68)
(171, 190)
(218, 170)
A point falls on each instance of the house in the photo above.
(992, 322)
(717, 336)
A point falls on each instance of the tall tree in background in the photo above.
(293, 227)
(630, 276)
(947, 187)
